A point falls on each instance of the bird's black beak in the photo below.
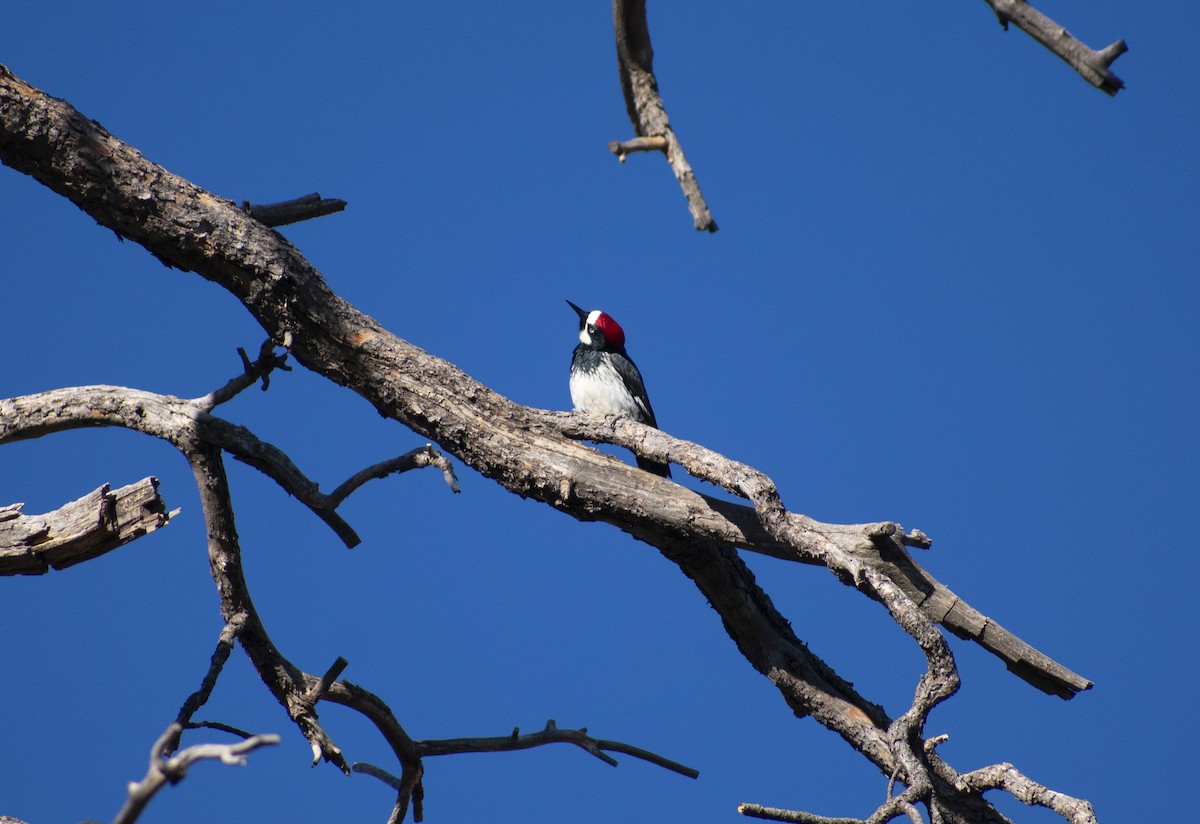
(582, 314)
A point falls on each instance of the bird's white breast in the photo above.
(602, 392)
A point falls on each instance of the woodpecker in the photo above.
(605, 380)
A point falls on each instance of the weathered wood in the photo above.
(1092, 65)
(86, 528)
(530, 452)
(940, 604)
(647, 114)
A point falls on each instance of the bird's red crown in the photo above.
(614, 335)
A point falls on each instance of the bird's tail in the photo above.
(657, 468)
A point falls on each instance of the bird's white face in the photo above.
(585, 336)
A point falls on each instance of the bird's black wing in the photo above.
(632, 378)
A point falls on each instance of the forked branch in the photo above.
(184, 423)
(844, 549)
(647, 114)
(530, 452)
(1092, 66)
(172, 770)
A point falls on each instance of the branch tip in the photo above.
(284, 212)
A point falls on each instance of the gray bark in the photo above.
(530, 452)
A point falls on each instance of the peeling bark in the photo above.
(87, 528)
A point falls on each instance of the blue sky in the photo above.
(954, 287)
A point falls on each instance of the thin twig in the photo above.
(219, 726)
(796, 816)
(199, 698)
(417, 458)
(252, 372)
(551, 734)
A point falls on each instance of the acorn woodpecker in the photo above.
(605, 381)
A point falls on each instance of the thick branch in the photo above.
(1093, 66)
(527, 451)
(635, 65)
(81, 530)
(881, 545)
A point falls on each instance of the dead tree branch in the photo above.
(286, 682)
(635, 66)
(551, 734)
(648, 114)
(253, 372)
(1092, 66)
(408, 785)
(293, 211)
(81, 530)
(229, 634)
(530, 452)
(844, 548)
(1008, 778)
(164, 770)
(418, 458)
(185, 423)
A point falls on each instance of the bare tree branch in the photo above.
(795, 816)
(81, 530)
(185, 423)
(648, 114)
(163, 770)
(1008, 778)
(551, 734)
(253, 371)
(635, 65)
(880, 545)
(530, 452)
(417, 458)
(286, 682)
(217, 725)
(293, 211)
(296, 690)
(199, 698)
(408, 785)
(1092, 66)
